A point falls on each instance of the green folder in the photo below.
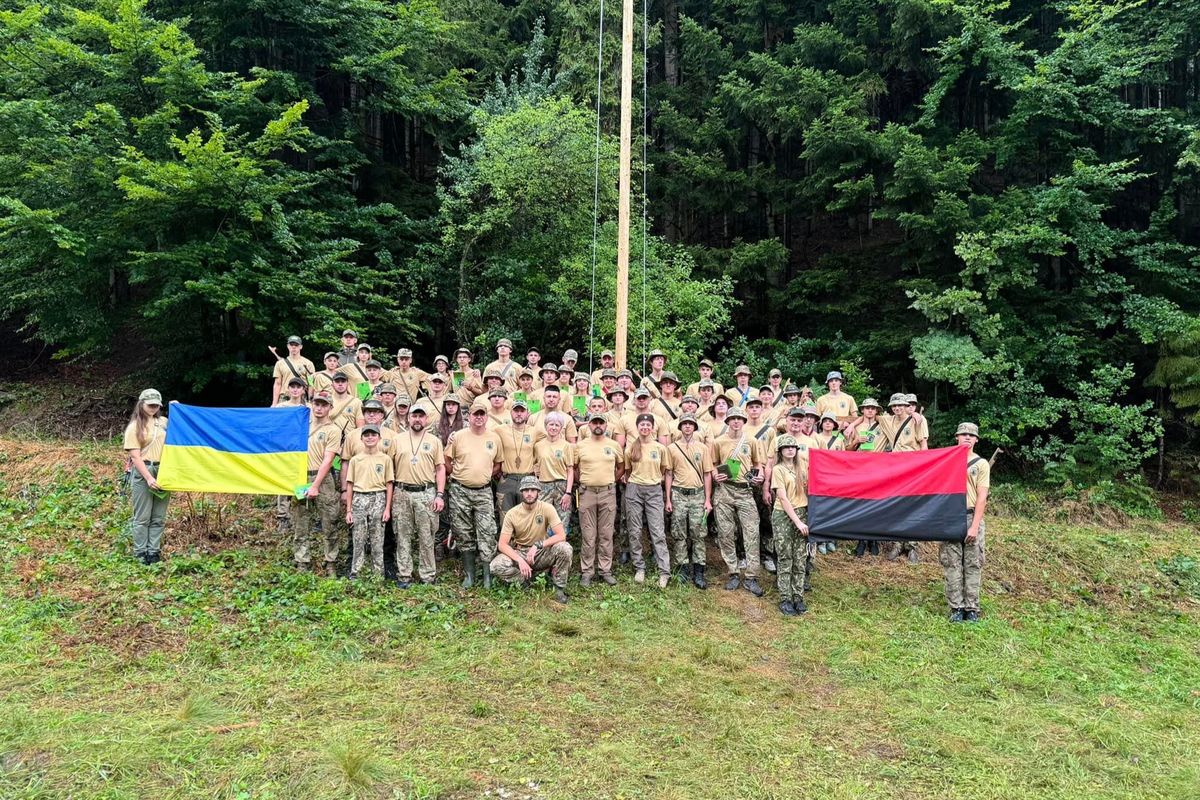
(457, 377)
(337, 463)
(364, 390)
(580, 405)
(301, 491)
(534, 406)
(520, 396)
(161, 494)
(735, 468)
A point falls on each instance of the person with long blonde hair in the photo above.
(144, 437)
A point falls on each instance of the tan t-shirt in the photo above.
(979, 476)
(740, 448)
(734, 395)
(156, 434)
(763, 435)
(508, 372)
(697, 452)
(597, 461)
(694, 389)
(356, 371)
(409, 382)
(538, 423)
(416, 456)
(785, 481)
(840, 405)
(655, 460)
(352, 445)
(346, 411)
(830, 441)
(629, 424)
(304, 368)
(323, 436)
(472, 455)
(517, 448)
(370, 472)
(553, 460)
(529, 525)
(901, 435)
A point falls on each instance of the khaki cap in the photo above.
(387, 387)
(404, 352)
(504, 343)
(530, 482)
(742, 369)
(150, 396)
(736, 413)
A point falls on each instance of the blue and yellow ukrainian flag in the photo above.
(235, 450)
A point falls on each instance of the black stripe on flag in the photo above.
(925, 518)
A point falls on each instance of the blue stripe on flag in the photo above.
(239, 430)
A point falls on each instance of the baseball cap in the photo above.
(349, 332)
(152, 396)
(323, 397)
(295, 340)
(967, 428)
(370, 429)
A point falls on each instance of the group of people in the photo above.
(502, 463)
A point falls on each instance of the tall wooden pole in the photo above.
(623, 182)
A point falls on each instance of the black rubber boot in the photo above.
(873, 548)
(799, 606)
(698, 576)
(787, 609)
(860, 549)
(487, 576)
(468, 559)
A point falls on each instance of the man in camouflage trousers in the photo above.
(962, 562)
(473, 457)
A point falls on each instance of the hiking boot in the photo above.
(822, 548)
(956, 615)
(799, 606)
(734, 582)
(970, 615)
(831, 547)
(753, 588)
(698, 577)
(559, 595)
(403, 584)
(639, 576)
(741, 563)
(609, 579)
(153, 557)
(769, 564)
(683, 573)
(468, 559)
(585, 581)
(914, 557)
(873, 548)
(663, 580)
(787, 609)
(860, 549)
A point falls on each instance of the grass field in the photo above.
(223, 674)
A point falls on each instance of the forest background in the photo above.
(992, 204)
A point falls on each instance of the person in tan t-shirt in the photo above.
(320, 503)
(688, 489)
(419, 497)
(599, 462)
(533, 540)
(648, 460)
(293, 366)
(144, 437)
(369, 477)
(473, 458)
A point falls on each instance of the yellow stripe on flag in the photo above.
(202, 469)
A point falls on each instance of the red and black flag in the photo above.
(919, 495)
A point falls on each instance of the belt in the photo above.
(508, 475)
(374, 491)
(414, 487)
(738, 485)
(970, 511)
(150, 463)
(556, 482)
(596, 488)
(468, 486)
(681, 490)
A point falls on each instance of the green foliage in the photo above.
(1131, 497)
(1178, 370)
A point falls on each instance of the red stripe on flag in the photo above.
(876, 476)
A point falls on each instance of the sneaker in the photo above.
(822, 548)
(831, 547)
(753, 588)
(609, 579)
(769, 565)
(663, 580)
(639, 576)
(403, 584)
(970, 615)
(956, 615)
(787, 609)
(585, 581)
(914, 557)
(559, 595)
(734, 582)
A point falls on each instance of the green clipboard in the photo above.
(579, 403)
(735, 468)
(520, 396)
(301, 491)
(363, 389)
(535, 406)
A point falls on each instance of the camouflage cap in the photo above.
(294, 340)
(791, 388)
(323, 397)
(736, 413)
(690, 419)
(152, 396)
(785, 441)
(366, 429)
(437, 376)
(404, 352)
(967, 429)
(607, 354)
(372, 405)
(403, 400)
(570, 355)
(870, 402)
(504, 343)
(834, 376)
(687, 398)
(385, 388)
(548, 368)
(498, 392)
(656, 353)
(597, 417)
(530, 482)
(796, 411)
(669, 377)
(898, 399)
(707, 362)
(349, 332)
(742, 369)
(441, 358)
(374, 363)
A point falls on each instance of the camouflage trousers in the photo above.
(474, 520)
(368, 525)
(552, 493)
(962, 565)
(687, 526)
(508, 492)
(792, 552)
(556, 559)
(412, 517)
(304, 513)
(734, 508)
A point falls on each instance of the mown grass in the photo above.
(223, 674)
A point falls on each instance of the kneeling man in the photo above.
(532, 540)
